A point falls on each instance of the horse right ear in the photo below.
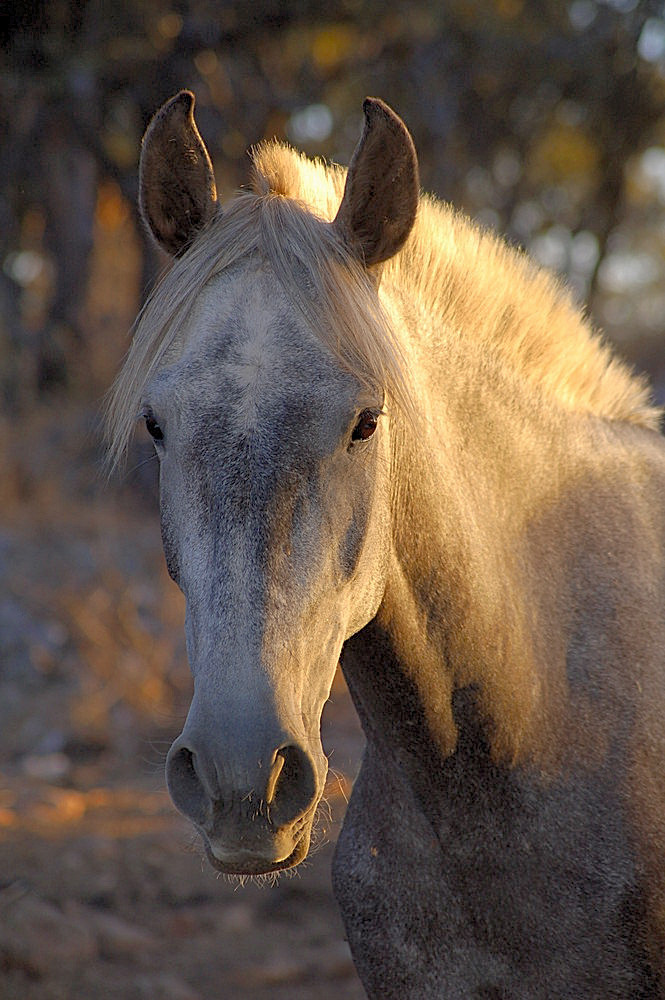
(177, 193)
(380, 199)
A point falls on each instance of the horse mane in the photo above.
(480, 290)
(474, 287)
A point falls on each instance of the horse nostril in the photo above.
(185, 787)
(291, 785)
(191, 776)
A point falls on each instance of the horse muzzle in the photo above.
(253, 810)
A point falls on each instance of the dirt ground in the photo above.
(103, 891)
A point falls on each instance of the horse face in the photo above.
(275, 519)
(274, 487)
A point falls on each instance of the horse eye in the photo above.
(153, 428)
(365, 427)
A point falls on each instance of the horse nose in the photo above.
(201, 785)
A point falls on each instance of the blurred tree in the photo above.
(533, 117)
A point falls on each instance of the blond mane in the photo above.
(472, 285)
(476, 287)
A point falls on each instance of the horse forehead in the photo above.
(240, 323)
(250, 357)
(250, 350)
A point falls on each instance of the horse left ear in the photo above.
(382, 187)
(177, 193)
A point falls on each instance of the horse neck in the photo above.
(459, 609)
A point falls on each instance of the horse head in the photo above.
(274, 474)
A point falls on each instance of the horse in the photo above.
(389, 439)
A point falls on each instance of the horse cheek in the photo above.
(168, 541)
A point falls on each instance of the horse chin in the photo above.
(250, 863)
